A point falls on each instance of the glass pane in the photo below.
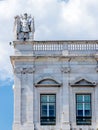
(79, 98)
(51, 113)
(51, 106)
(87, 113)
(43, 98)
(79, 106)
(44, 113)
(80, 113)
(87, 106)
(51, 98)
(87, 98)
(44, 106)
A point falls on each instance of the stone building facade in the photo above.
(55, 83)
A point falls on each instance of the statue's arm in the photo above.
(32, 25)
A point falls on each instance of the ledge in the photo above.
(47, 85)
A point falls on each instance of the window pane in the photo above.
(51, 113)
(44, 106)
(87, 106)
(86, 98)
(51, 105)
(80, 113)
(52, 98)
(43, 98)
(79, 98)
(44, 113)
(87, 113)
(79, 106)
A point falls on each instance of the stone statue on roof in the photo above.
(24, 27)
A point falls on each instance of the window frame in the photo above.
(47, 117)
(84, 117)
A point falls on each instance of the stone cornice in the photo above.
(44, 41)
(21, 58)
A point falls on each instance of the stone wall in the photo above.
(72, 73)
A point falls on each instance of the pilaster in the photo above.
(65, 113)
(28, 85)
(17, 99)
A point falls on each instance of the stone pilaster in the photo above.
(28, 85)
(65, 112)
(96, 97)
(17, 99)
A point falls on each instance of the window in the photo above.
(48, 109)
(83, 109)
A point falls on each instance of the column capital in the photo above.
(24, 70)
(65, 69)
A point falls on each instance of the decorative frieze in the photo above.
(65, 69)
(19, 70)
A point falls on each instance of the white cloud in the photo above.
(54, 19)
(5, 65)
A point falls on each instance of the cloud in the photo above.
(5, 65)
(77, 19)
(54, 20)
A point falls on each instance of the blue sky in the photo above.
(54, 20)
(6, 106)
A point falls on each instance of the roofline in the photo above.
(57, 41)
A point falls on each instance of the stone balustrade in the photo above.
(57, 47)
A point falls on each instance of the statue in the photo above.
(24, 27)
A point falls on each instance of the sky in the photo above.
(54, 20)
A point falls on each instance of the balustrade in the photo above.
(73, 48)
(58, 48)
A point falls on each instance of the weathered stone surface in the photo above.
(38, 60)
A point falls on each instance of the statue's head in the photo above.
(25, 15)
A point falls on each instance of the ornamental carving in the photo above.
(65, 69)
(24, 70)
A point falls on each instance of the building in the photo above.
(55, 83)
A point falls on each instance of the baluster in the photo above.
(37, 47)
(43, 46)
(58, 46)
(53, 46)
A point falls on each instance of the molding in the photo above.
(47, 82)
(19, 70)
(13, 59)
(65, 69)
(47, 85)
(57, 41)
(83, 82)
